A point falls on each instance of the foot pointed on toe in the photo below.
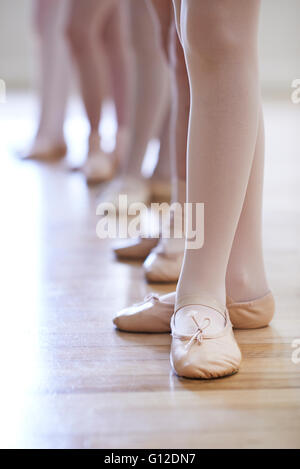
(201, 355)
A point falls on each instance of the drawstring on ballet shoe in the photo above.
(150, 297)
(198, 336)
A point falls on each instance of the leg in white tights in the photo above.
(163, 14)
(85, 31)
(151, 102)
(219, 42)
(181, 107)
(180, 102)
(50, 17)
(118, 46)
(164, 263)
(246, 277)
(152, 83)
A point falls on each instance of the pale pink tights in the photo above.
(225, 147)
(50, 17)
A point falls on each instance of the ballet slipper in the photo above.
(254, 314)
(201, 355)
(161, 191)
(164, 263)
(47, 153)
(136, 189)
(99, 167)
(151, 315)
(134, 249)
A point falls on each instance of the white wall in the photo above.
(279, 43)
(17, 50)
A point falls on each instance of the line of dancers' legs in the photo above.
(196, 88)
(116, 51)
(225, 164)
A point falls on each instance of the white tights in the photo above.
(50, 17)
(225, 147)
(152, 83)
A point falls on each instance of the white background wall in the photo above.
(17, 50)
(279, 43)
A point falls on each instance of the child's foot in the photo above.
(46, 150)
(99, 166)
(136, 190)
(203, 344)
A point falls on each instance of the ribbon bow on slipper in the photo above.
(198, 336)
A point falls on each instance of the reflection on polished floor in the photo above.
(68, 379)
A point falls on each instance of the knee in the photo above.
(210, 38)
(117, 42)
(165, 40)
(79, 37)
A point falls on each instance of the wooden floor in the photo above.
(68, 379)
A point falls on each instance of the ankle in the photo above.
(94, 142)
(122, 142)
(48, 141)
(198, 289)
